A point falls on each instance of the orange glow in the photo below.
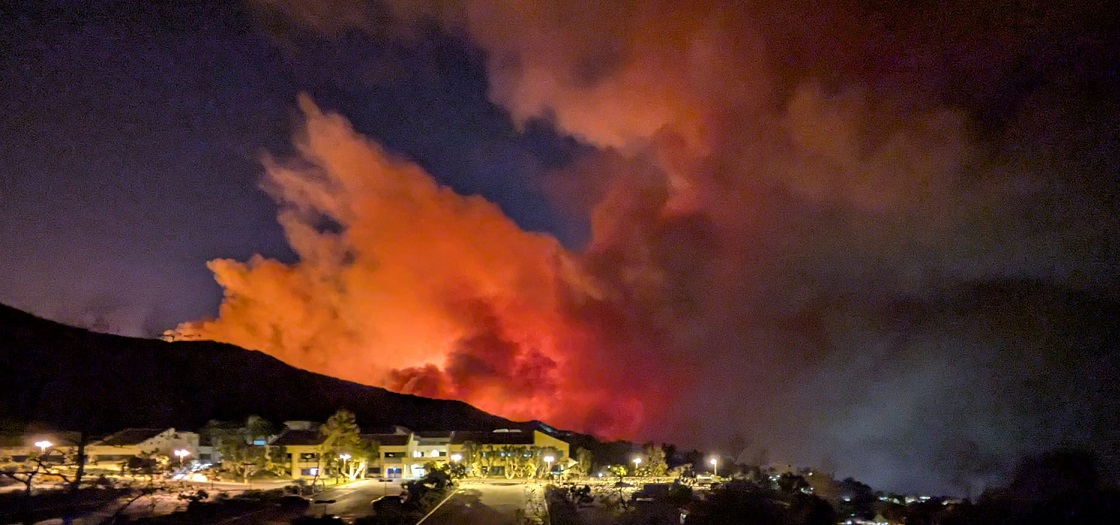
(417, 288)
(718, 175)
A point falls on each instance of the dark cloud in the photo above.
(798, 207)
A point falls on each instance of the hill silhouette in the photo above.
(70, 378)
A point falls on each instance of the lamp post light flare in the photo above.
(344, 458)
(715, 467)
(637, 461)
(548, 464)
(181, 453)
(43, 446)
(456, 457)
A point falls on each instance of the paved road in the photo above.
(233, 487)
(352, 500)
(484, 504)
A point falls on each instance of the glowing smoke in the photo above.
(406, 284)
(771, 187)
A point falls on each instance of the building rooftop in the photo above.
(430, 438)
(433, 434)
(130, 436)
(493, 438)
(385, 430)
(389, 440)
(299, 437)
(28, 439)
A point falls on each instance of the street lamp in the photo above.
(43, 446)
(344, 458)
(456, 457)
(182, 453)
(637, 461)
(548, 462)
(715, 467)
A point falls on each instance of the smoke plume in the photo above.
(824, 227)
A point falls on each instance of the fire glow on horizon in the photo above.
(771, 190)
(404, 284)
(419, 290)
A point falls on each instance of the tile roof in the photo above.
(27, 439)
(299, 437)
(390, 429)
(434, 434)
(389, 440)
(131, 436)
(493, 438)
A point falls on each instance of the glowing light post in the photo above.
(43, 446)
(548, 464)
(344, 458)
(715, 467)
(181, 453)
(457, 457)
(637, 461)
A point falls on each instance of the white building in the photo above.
(116, 449)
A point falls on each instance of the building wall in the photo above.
(111, 457)
(10, 456)
(542, 440)
(395, 461)
(170, 440)
(165, 443)
(303, 459)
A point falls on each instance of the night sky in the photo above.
(132, 138)
(872, 236)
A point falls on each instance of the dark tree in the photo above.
(737, 504)
(856, 499)
(806, 509)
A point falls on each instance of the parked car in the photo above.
(388, 504)
(294, 502)
(651, 492)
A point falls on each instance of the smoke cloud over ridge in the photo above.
(857, 234)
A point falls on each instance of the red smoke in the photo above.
(758, 172)
(404, 284)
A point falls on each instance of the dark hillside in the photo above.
(72, 378)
